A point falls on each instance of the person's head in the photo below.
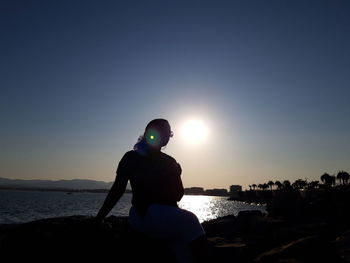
(157, 134)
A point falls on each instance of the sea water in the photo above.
(23, 206)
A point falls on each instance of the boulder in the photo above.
(247, 220)
(80, 237)
(223, 226)
(244, 238)
(306, 249)
(342, 246)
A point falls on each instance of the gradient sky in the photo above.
(81, 79)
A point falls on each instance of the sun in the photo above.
(194, 131)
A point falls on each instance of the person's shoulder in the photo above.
(129, 154)
(173, 167)
(127, 159)
(168, 157)
(125, 163)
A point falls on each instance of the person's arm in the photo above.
(113, 197)
(180, 189)
(174, 190)
(117, 189)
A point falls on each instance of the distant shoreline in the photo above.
(58, 190)
(75, 190)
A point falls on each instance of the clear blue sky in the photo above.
(80, 80)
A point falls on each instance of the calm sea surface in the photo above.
(25, 206)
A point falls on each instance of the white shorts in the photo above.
(167, 222)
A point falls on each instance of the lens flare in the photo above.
(152, 137)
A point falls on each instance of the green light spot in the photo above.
(151, 137)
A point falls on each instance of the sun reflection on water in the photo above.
(211, 207)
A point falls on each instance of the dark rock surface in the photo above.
(309, 236)
(79, 237)
(249, 237)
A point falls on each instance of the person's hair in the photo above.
(156, 134)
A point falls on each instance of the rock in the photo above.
(342, 246)
(230, 225)
(79, 237)
(244, 238)
(307, 249)
(223, 226)
(247, 220)
(287, 203)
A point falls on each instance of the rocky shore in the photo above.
(297, 236)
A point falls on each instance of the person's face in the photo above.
(157, 138)
(167, 136)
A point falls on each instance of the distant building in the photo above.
(234, 190)
(216, 192)
(194, 191)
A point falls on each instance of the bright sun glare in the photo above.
(194, 131)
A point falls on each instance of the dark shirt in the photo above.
(154, 178)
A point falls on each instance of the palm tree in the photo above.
(327, 179)
(300, 184)
(286, 184)
(260, 186)
(270, 184)
(254, 186)
(313, 184)
(265, 186)
(346, 177)
(250, 187)
(340, 177)
(333, 179)
(343, 177)
(279, 185)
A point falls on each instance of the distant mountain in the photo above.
(59, 184)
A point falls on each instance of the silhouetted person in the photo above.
(156, 188)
